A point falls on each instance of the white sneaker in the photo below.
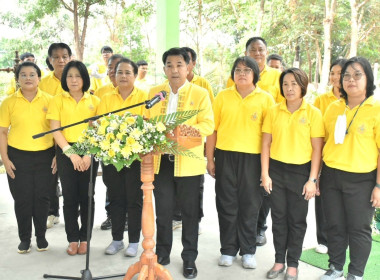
(249, 261)
(52, 220)
(114, 247)
(226, 260)
(321, 249)
(131, 250)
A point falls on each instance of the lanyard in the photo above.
(354, 114)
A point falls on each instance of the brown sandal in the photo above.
(72, 249)
(82, 248)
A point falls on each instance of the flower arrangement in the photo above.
(121, 139)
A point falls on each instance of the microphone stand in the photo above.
(86, 273)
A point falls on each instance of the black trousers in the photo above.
(346, 199)
(263, 214)
(177, 209)
(75, 196)
(289, 209)
(188, 196)
(321, 221)
(54, 197)
(238, 200)
(125, 195)
(30, 189)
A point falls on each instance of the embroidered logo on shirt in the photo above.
(191, 103)
(254, 116)
(361, 129)
(45, 109)
(303, 120)
(91, 107)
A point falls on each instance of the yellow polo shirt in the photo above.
(191, 97)
(292, 133)
(51, 84)
(142, 84)
(113, 101)
(26, 119)
(238, 121)
(269, 81)
(324, 100)
(100, 92)
(65, 109)
(202, 82)
(359, 151)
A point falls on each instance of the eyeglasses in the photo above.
(245, 71)
(356, 76)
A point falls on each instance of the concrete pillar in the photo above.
(167, 31)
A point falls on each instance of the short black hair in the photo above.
(130, 62)
(115, 56)
(250, 63)
(192, 52)
(275, 56)
(107, 49)
(56, 46)
(370, 88)
(176, 52)
(301, 79)
(26, 55)
(51, 68)
(254, 39)
(82, 71)
(27, 64)
(339, 62)
(141, 62)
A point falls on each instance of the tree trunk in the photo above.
(76, 30)
(355, 25)
(327, 25)
(199, 38)
(260, 18)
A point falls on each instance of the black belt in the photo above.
(170, 157)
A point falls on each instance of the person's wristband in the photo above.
(66, 151)
(377, 185)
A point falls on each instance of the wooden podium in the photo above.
(148, 267)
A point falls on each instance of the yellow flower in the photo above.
(105, 145)
(131, 141)
(111, 153)
(130, 120)
(110, 136)
(160, 127)
(102, 130)
(93, 141)
(126, 151)
(114, 124)
(123, 127)
(120, 135)
(137, 148)
(136, 133)
(115, 146)
(104, 122)
(81, 139)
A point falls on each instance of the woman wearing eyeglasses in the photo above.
(350, 179)
(239, 113)
(29, 163)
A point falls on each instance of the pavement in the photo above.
(55, 261)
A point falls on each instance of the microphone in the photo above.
(157, 98)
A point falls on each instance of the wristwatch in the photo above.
(313, 180)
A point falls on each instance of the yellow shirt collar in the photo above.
(285, 108)
(86, 95)
(19, 93)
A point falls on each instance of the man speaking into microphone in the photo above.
(180, 175)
